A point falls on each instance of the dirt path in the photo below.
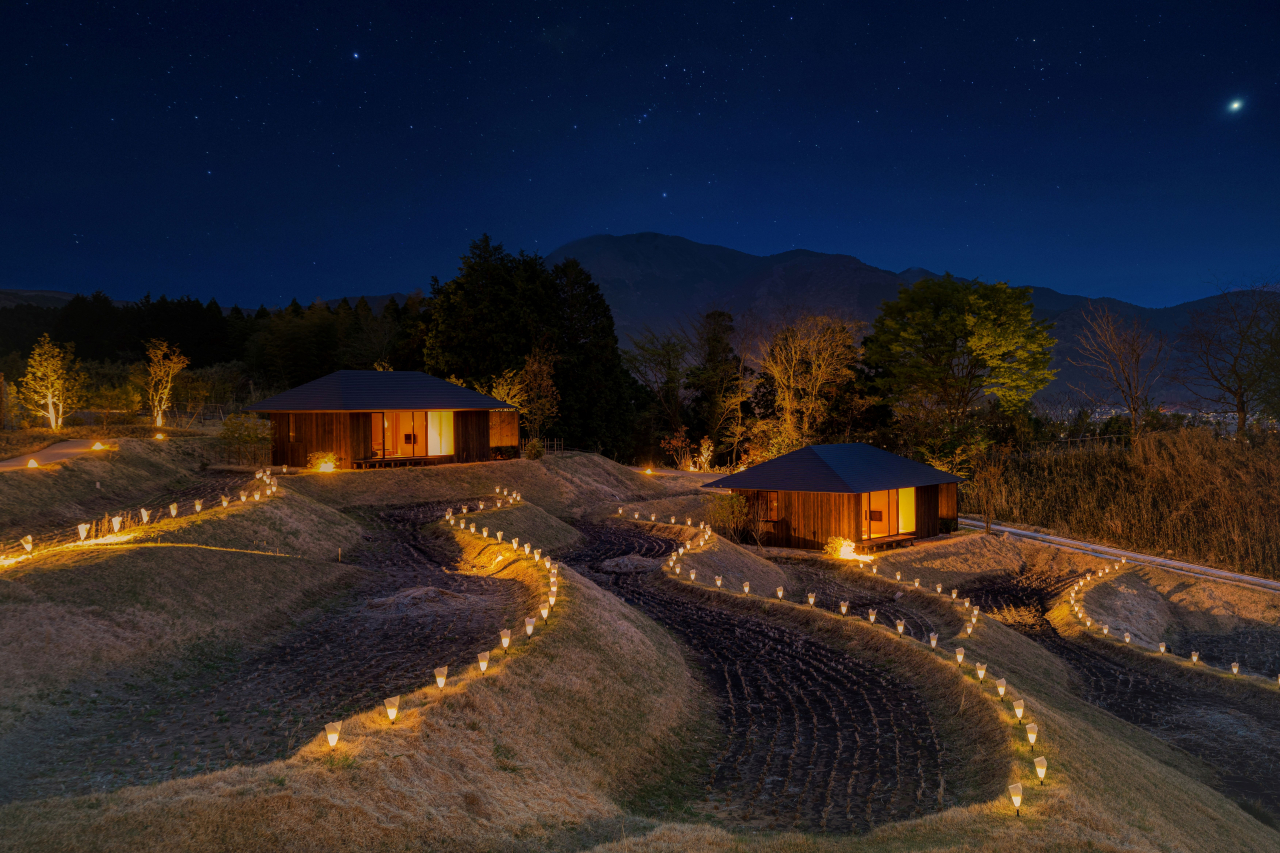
(816, 739)
(406, 616)
(1241, 738)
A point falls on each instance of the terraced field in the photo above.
(1240, 737)
(815, 739)
(405, 617)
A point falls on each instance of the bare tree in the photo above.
(1123, 356)
(660, 363)
(1223, 367)
(164, 363)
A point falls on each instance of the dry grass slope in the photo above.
(547, 738)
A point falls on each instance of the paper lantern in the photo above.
(464, 509)
(497, 489)
(26, 542)
(746, 587)
(873, 570)
(844, 608)
(484, 531)
(688, 522)
(393, 707)
(968, 629)
(442, 672)
(1000, 687)
(1126, 636)
(551, 598)
(1162, 648)
(482, 505)
(871, 615)
(84, 530)
(527, 546)
(1195, 657)
(97, 445)
(1018, 708)
(473, 527)
(244, 496)
(548, 562)
(484, 661)
(637, 516)
(939, 589)
(917, 583)
(1235, 669)
(332, 730)
(451, 522)
(173, 510)
(966, 602)
(653, 516)
(1106, 629)
(544, 608)
(146, 515)
(115, 523)
(1041, 766)
(619, 510)
(554, 582)
(693, 574)
(499, 536)
(779, 593)
(933, 641)
(954, 593)
(982, 671)
(680, 550)
(1032, 731)
(901, 625)
(897, 575)
(537, 555)
(225, 500)
(1015, 793)
(959, 655)
(701, 525)
(529, 622)
(718, 581)
(812, 598)
(199, 505)
(32, 464)
(1088, 623)
(505, 634)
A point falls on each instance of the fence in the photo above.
(243, 454)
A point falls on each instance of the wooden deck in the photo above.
(881, 543)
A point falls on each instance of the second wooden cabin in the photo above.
(857, 492)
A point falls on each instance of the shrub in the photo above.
(534, 449)
(728, 514)
(322, 460)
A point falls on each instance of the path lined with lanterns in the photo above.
(408, 623)
(1237, 734)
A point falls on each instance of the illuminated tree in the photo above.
(163, 364)
(53, 383)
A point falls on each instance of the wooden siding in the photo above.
(504, 429)
(311, 432)
(808, 519)
(926, 512)
(361, 434)
(471, 436)
(947, 501)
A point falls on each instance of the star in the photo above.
(1235, 106)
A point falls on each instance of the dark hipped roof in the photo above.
(377, 391)
(835, 468)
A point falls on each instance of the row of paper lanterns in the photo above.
(269, 482)
(392, 705)
(1077, 608)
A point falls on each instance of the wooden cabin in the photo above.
(869, 496)
(376, 418)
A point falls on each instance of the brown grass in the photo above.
(545, 740)
(1183, 494)
(20, 442)
(66, 494)
(524, 521)
(565, 485)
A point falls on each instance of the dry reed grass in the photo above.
(1183, 493)
(548, 738)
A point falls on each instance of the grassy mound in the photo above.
(23, 441)
(523, 521)
(565, 485)
(74, 611)
(556, 730)
(68, 493)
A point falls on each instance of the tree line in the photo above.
(947, 371)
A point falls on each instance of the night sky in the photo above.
(258, 152)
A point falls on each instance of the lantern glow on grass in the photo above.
(332, 730)
(484, 661)
(393, 707)
(442, 672)
(1032, 731)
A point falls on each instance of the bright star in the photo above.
(1235, 106)
(356, 55)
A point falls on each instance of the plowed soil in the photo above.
(406, 616)
(815, 739)
(1240, 738)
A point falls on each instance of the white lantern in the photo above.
(393, 707)
(441, 673)
(1126, 636)
(917, 583)
(115, 523)
(844, 608)
(939, 589)
(545, 609)
(146, 515)
(199, 505)
(746, 587)
(484, 531)
(1018, 707)
(527, 546)
(1015, 793)
(1032, 731)
(812, 597)
(1162, 648)
(933, 640)
(225, 500)
(27, 542)
(718, 581)
(871, 615)
(244, 496)
(484, 662)
(959, 655)
(1041, 766)
(693, 574)
(1000, 685)
(529, 622)
(332, 730)
(505, 634)
(982, 671)
(84, 530)
(173, 510)
(954, 593)
(901, 625)
(779, 593)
